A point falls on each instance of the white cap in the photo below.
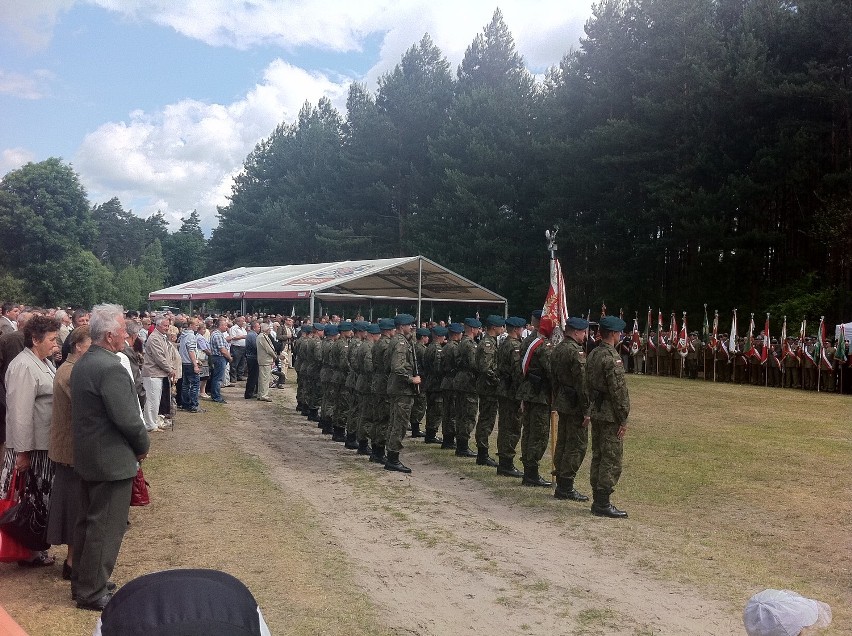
(783, 613)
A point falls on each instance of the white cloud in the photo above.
(185, 156)
(14, 158)
(32, 86)
(31, 22)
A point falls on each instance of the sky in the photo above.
(159, 102)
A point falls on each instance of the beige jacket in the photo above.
(29, 402)
(159, 362)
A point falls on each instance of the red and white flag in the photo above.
(673, 332)
(661, 341)
(683, 339)
(714, 339)
(764, 353)
(555, 305)
(635, 339)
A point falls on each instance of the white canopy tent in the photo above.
(846, 328)
(407, 279)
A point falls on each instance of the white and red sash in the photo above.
(528, 356)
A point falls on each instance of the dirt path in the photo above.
(439, 554)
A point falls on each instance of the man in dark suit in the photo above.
(109, 439)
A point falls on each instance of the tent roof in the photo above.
(382, 279)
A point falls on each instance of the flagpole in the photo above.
(554, 417)
(767, 343)
(819, 359)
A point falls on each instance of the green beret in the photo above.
(373, 328)
(612, 323)
(421, 332)
(515, 322)
(472, 322)
(331, 330)
(439, 331)
(578, 323)
(404, 319)
(456, 327)
(345, 326)
(495, 321)
(386, 324)
(359, 325)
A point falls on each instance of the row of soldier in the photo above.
(798, 364)
(367, 384)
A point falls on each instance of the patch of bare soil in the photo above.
(439, 554)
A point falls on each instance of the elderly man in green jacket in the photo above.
(109, 441)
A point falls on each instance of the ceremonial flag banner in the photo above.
(635, 340)
(764, 354)
(650, 344)
(603, 310)
(673, 331)
(732, 338)
(555, 305)
(661, 342)
(714, 339)
(785, 346)
(683, 339)
(803, 350)
(824, 363)
(748, 349)
(705, 328)
(841, 354)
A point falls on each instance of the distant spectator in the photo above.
(221, 355)
(79, 318)
(156, 366)
(64, 324)
(191, 366)
(9, 317)
(251, 361)
(237, 339)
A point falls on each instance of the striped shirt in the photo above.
(218, 342)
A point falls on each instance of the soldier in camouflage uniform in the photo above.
(363, 386)
(329, 386)
(535, 394)
(609, 411)
(693, 355)
(791, 363)
(534, 320)
(432, 378)
(340, 361)
(298, 365)
(509, 371)
(403, 385)
(464, 384)
(352, 405)
(572, 404)
(381, 414)
(313, 362)
(448, 371)
(418, 410)
(488, 387)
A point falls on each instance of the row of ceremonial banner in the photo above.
(556, 309)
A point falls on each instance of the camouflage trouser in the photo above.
(509, 428)
(300, 388)
(341, 405)
(449, 413)
(418, 409)
(381, 417)
(400, 414)
(572, 440)
(366, 403)
(466, 404)
(434, 412)
(353, 411)
(607, 451)
(329, 399)
(486, 420)
(535, 432)
(315, 393)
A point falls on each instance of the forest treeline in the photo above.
(690, 151)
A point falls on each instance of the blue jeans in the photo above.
(218, 378)
(189, 388)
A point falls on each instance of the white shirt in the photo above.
(235, 332)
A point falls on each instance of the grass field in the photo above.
(730, 488)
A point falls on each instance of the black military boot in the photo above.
(338, 434)
(506, 468)
(532, 478)
(415, 430)
(482, 458)
(565, 490)
(351, 441)
(462, 449)
(601, 507)
(364, 447)
(327, 426)
(313, 415)
(432, 438)
(378, 455)
(393, 463)
(449, 442)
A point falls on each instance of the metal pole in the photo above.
(311, 307)
(419, 286)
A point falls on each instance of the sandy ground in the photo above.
(439, 554)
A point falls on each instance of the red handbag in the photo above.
(10, 549)
(139, 495)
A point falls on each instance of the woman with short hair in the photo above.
(29, 406)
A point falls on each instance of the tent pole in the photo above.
(243, 306)
(190, 306)
(312, 307)
(506, 309)
(419, 286)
